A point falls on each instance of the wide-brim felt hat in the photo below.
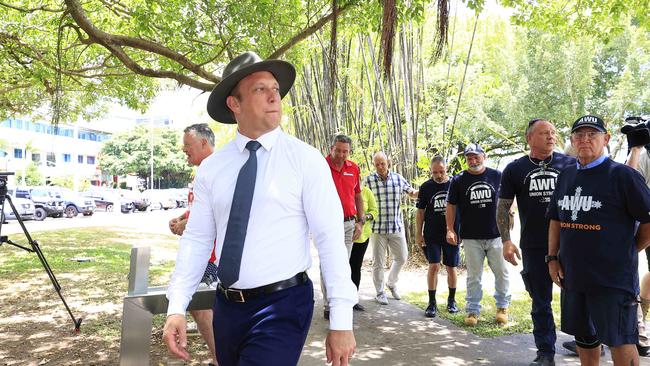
(240, 67)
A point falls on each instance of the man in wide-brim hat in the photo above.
(261, 196)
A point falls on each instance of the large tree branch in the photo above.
(309, 31)
(114, 42)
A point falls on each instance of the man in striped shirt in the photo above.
(388, 228)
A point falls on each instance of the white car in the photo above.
(24, 207)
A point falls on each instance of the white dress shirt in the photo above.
(294, 196)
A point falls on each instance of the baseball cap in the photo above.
(473, 148)
(589, 121)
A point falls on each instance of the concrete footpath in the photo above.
(399, 334)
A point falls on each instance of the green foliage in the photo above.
(30, 176)
(66, 181)
(130, 152)
(600, 18)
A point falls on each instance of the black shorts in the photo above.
(610, 315)
(450, 254)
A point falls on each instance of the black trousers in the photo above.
(356, 260)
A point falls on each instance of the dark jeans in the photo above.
(356, 260)
(540, 288)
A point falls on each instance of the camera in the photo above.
(3, 182)
(636, 130)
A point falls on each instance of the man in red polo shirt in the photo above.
(346, 177)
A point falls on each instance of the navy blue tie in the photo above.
(233, 242)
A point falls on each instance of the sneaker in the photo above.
(644, 351)
(431, 311)
(543, 360)
(393, 291)
(326, 314)
(502, 315)
(471, 320)
(358, 307)
(382, 299)
(452, 307)
(571, 346)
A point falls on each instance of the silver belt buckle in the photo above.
(235, 295)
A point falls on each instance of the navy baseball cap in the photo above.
(589, 121)
(473, 148)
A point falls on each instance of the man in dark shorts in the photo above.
(592, 248)
(431, 234)
(531, 179)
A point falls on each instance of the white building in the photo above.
(57, 151)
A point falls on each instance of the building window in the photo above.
(51, 159)
(90, 159)
(18, 153)
(80, 159)
(36, 157)
(67, 158)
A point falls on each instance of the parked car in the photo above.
(106, 201)
(160, 199)
(140, 202)
(45, 201)
(76, 203)
(180, 195)
(24, 207)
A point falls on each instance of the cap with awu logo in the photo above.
(589, 121)
(473, 148)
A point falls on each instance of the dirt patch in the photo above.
(35, 328)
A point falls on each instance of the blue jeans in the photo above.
(540, 288)
(476, 250)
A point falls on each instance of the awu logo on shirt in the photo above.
(439, 201)
(578, 203)
(541, 184)
(480, 193)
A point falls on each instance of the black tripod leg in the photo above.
(37, 249)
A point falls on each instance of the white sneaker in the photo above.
(382, 299)
(393, 291)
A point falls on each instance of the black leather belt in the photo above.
(243, 295)
(349, 218)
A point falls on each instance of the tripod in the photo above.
(35, 248)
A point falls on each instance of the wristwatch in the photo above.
(550, 258)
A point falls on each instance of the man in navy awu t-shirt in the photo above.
(531, 179)
(473, 193)
(431, 234)
(593, 213)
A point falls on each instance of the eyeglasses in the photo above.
(590, 135)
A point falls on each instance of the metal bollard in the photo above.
(142, 303)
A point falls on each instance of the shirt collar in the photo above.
(267, 140)
(594, 163)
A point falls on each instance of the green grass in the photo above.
(108, 249)
(519, 312)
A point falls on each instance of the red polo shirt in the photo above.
(347, 184)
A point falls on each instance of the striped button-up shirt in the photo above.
(388, 194)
